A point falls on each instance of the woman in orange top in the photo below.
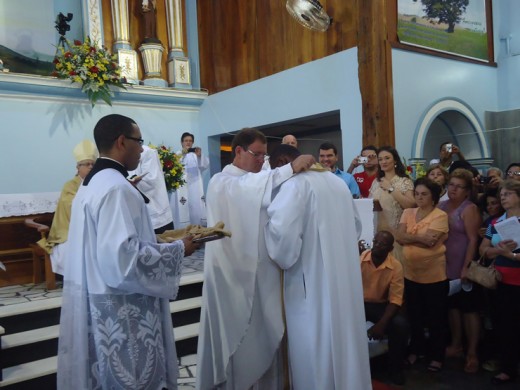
(422, 232)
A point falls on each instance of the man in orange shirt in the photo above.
(383, 288)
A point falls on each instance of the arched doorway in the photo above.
(451, 120)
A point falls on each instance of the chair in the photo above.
(38, 253)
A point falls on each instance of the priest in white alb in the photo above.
(188, 202)
(312, 235)
(150, 181)
(115, 329)
(241, 318)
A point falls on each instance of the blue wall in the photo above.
(324, 85)
(39, 131)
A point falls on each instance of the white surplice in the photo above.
(312, 235)
(154, 187)
(116, 330)
(241, 318)
(188, 203)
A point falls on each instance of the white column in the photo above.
(127, 57)
(178, 64)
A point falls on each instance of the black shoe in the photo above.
(496, 380)
(398, 378)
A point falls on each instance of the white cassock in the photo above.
(188, 203)
(311, 234)
(241, 318)
(116, 329)
(154, 187)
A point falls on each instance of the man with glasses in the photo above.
(116, 326)
(513, 171)
(367, 161)
(85, 154)
(241, 318)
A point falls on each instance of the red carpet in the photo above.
(381, 386)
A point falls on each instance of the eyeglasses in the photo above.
(516, 173)
(258, 156)
(86, 164)
(371, 156)
(140, 141)
(457, 186)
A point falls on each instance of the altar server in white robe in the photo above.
(312, 235)
(115, 329)
(241, 318)
(150, 181)
(188, 203)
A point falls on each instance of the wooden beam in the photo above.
(375, 71)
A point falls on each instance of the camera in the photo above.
(449, 148)
(362, 160)
(485, 180)
(61, 23)
(191, 150)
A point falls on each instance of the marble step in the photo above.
(27, 371)
(51, 332)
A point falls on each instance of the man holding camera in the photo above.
(446, 152)
(367, 161)
(188, 202)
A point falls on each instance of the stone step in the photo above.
(31, 370)
(51, 332)
(27, 371)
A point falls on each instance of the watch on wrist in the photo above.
(390, 190)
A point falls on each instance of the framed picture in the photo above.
(455, 27)
(29, 33)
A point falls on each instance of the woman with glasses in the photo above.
(507, 262)
(513, 171)
(422, 232)
(392, 192)
(461, 247)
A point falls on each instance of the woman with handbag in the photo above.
(422, 232)
(461, 248)
(507, 262)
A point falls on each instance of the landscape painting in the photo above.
(451, 26)
(28, 36)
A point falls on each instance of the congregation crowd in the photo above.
(441, 222)
(281, 305)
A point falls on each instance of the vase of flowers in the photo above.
(172, 167)
(94, 68)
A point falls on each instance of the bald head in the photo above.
(290, 139)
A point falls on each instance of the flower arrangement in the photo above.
(414, 171)
(172, 167)
(92, 67)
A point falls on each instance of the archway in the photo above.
(451, 120)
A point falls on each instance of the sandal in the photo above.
(472, 364)
(434, 366)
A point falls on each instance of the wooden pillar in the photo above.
(375, 71)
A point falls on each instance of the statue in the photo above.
(149, 12)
